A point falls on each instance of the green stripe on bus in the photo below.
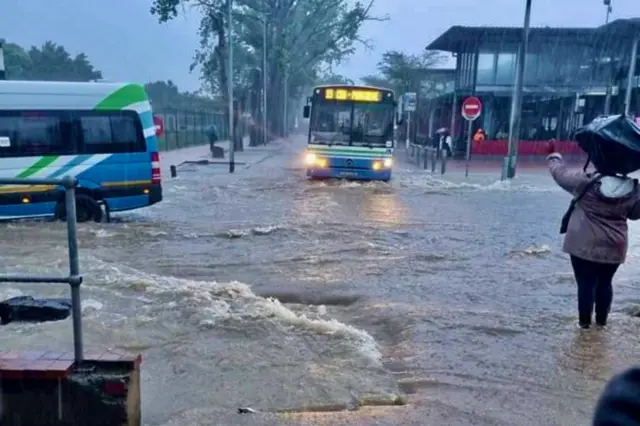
(361, 154)
(124, 96)
(35, 167)
(348, 151)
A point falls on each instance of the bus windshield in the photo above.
(358, 124)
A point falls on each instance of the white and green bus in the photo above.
(101, 133)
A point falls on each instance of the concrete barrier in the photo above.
(49, 389)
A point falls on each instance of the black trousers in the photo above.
(594, 287)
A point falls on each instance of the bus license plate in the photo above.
(348, 174)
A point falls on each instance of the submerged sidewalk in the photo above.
(243, 159)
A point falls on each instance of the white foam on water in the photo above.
(537, 250)
(9, 292)
(91, 305)
(102, 233)
(433, 183)
(237, 233)
(265, 230)
(205, 304)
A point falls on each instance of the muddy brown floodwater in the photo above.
(262, 289)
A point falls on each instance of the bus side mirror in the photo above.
(306, 111)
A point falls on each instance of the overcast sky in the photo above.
(126, 43)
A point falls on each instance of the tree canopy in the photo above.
(405, 72)
(302, 38)
(50, 62)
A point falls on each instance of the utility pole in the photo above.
(509, 167)
(607, 99)
(285, 122)
(632, 72)
(264, 75)
(3, 75)
(232, 142)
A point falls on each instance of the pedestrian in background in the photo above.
(595, 228)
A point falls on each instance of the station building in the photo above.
(571, 75)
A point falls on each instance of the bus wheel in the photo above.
(87, 209)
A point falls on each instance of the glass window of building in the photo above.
(486, 68)
(505, 72)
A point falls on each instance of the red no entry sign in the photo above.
(157, 121)
(471, 108)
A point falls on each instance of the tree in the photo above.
(404, 72)
(165, 95)
(17, 61)
(301, 36)
(331, 78)
(51, 62)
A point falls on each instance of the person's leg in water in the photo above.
(586, 276)
(604, 291)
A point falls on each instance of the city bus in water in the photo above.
(101, 133)
(350, 132)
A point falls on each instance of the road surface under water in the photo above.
(266, 290)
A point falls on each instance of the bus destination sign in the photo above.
(353, 95)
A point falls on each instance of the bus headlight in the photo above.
(322, 162)
(388, 162)
(377, 165)
(310, 159)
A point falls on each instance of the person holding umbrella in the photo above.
(595, 228)
(444, 141)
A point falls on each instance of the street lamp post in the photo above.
(609, 9)
(264, 76)
(509, 167)
(232, 142)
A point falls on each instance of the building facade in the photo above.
(571, 76)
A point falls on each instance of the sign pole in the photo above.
(469, 130)
(409, 104)
(471, 110)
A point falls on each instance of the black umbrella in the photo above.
(612, 143)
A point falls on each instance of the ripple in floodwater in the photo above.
(263, 289)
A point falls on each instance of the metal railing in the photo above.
(74, 279)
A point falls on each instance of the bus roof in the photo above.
(67, 95)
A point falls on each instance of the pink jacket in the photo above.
(598, 226)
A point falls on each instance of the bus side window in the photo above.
(34, 133)
(111, 132)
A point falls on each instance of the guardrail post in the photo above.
(443, 164)
(434, 159)
(74, 279)
(425, 160)
(74, 267)
(418, 151)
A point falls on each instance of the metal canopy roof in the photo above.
(459, 38)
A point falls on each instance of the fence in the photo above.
(74, 279)
(184, 128)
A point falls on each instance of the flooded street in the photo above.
(266, 290)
